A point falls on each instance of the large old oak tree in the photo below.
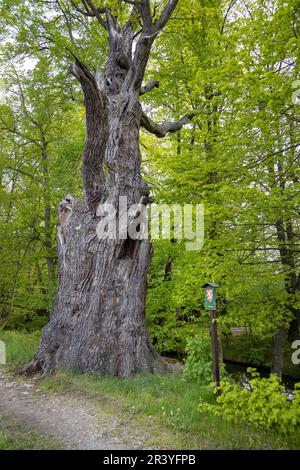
(98, 320)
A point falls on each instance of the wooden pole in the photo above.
(215, 348)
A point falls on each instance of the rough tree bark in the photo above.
(98, 321)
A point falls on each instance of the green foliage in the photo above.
(198, 365)
(238, 159)
(265, 406)
(33, 320)
(42, 134)
(20, 347)
(245, 349)
(174, 298)
(257, 355)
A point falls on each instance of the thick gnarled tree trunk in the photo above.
(98, 321)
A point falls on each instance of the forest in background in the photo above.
(235, 63)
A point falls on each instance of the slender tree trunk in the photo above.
(285, 239)
(278, 352)
(287, 259)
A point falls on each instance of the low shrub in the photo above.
(264, 405)
(198, 365)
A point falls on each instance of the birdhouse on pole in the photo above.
(210, 303)
(210, 295)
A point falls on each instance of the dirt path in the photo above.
(76, 422)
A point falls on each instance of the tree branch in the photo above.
(111, 22)
(166, 14)
(22, 172)
(85, 12)
(80, 70)
(145, 12)
(148, 35)
(94, 100)
(93, 11)
(160, 130)
(149, 87)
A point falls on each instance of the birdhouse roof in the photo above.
(210, 284)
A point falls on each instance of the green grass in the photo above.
(25, 441)
(13, 437)
(5, 441)
(20, 347)
(171, 403)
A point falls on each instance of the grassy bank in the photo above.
(164, 406)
